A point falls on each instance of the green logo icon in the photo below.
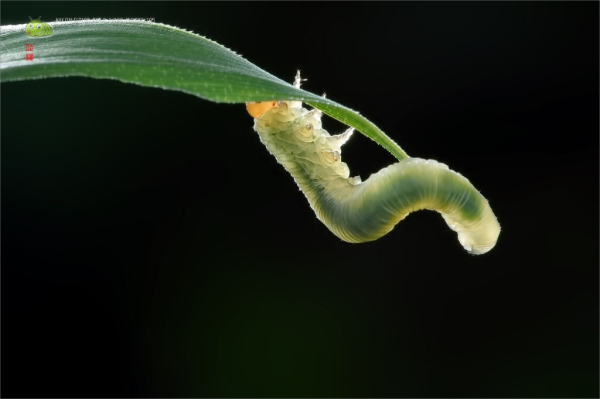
(37, 28)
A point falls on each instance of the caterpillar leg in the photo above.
(344, 137)
(298, 80)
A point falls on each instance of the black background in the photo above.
(152, 246)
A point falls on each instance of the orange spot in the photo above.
(257, 109)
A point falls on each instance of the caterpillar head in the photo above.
(258, 109)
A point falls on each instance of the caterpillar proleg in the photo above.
(357, 211)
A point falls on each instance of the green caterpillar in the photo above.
(37, 28)
(357, 211)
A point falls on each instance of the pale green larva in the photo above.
(358, 211)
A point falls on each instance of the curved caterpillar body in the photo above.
(358, 211)
(37, 28)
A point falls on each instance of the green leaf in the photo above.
(158, 55)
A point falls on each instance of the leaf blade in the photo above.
(162, 56)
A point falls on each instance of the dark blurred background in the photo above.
(151, 246)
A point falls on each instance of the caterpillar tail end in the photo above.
(480, 239)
